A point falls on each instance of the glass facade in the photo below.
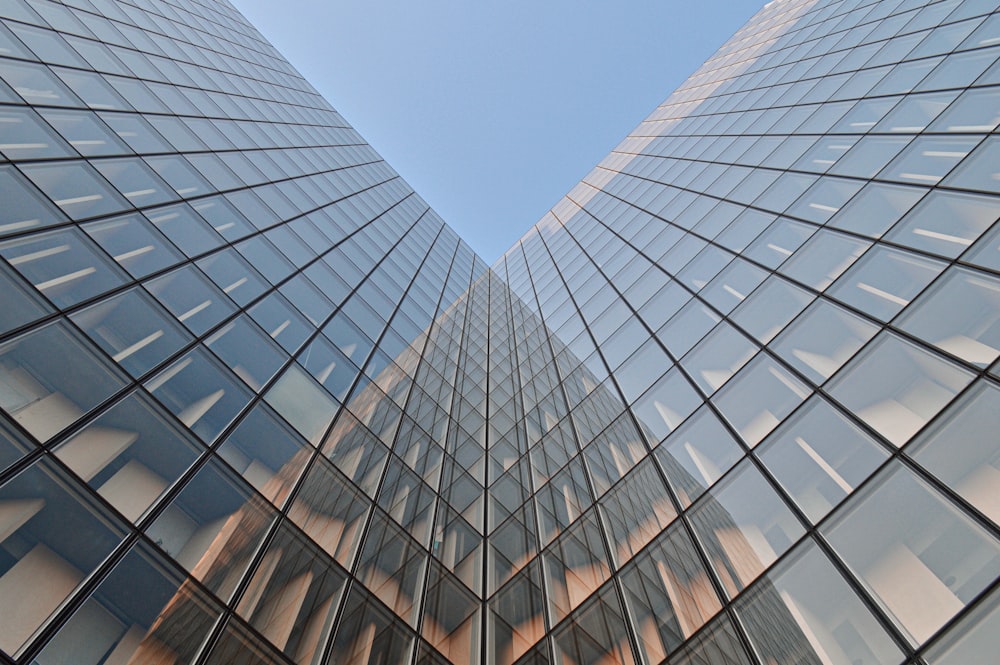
(733, 400)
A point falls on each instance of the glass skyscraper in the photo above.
(732, 401)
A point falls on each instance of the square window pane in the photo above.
(759, 397)
(85, 131)
(38, 392)
(300, 401)
(823, 258)
(42, 559)
(202, 394)
(697, 454)
(130, 455)
(134, 244)
(76, 188)
(819, 457)
(24, 208)
(665, 405)
(132, 330)
(247, 351)
(135, 181)
(281, 321)
(896, 387)
(929, 159)
(921, 557)
(23, 135)
(169, 619)
(189, 296)
(744, 527)
(805, 611)
(959, 314)
(213, 528)
(267, 453)
(946, 223)
(961, 449)
(876, 208)
(822, 339)
(21, 304)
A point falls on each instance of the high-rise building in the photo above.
(733, 401)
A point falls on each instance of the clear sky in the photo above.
(493, 110)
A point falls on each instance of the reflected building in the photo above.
(733, 400)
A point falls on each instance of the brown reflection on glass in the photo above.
(293, 595)
(517, 616)
(668, 594)
(213, 528)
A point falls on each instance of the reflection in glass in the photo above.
(203, 395)
(169, 619)
(65, 266)
(962, 448)
(822, 339)
(38, 393)
(697, 455)
(41, 561)
(820, 457)
(921, 557)
(213, 528)
(131, 454)
(744, 527)
(668, 593)
(292, 597)
(976, 636)
(804, 612)
(896, 387)
(959, 314)
(132, 330)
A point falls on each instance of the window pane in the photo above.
(668, 593)
(921, 557)
(23, 207)
(21, 304)
(134, 244)
(896, 387)
(962, 451)
(38, 392)
(23, 135)
(130, 455)
(822, 339)
(960, 315)
(132, 330)
(946, 223)
(975, 638)
(247, 351)
(76, 188)
(804, 611)
(85, 132)
(697, 455)
(819, 457)
(759, 397)
(665, 405)
(233, 275)
(170, 618)
(744, 527)
(203, 395)
(292, 599)
(876, 208)
(822, 260)
(63, 265)
(213, 528)
(43, 562)
(300, 401)
(191, 298)
(185, 228)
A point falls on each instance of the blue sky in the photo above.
(492, 111)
